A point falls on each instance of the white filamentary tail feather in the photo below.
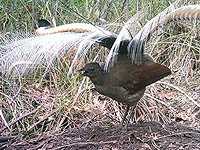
(30, 51)
(140, 36)
(135, 46)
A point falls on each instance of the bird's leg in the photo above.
(130, 116)
(125, 114)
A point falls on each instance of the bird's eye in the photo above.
(92, 69)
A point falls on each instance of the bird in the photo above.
(126, 81)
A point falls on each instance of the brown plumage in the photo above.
(126, 81)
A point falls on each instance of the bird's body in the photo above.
(121, 94)
(126, 81)
(115, 84)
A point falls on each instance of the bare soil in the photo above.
(141, 136)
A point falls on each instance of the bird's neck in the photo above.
(99, 79)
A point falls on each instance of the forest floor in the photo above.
(141, 136)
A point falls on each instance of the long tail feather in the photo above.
(186, 12)
(22, 54)
(135, 43)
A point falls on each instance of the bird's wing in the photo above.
(149, 73)
(134, 76)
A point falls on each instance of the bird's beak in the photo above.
(83, 74)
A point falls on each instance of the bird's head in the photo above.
(91, 70)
